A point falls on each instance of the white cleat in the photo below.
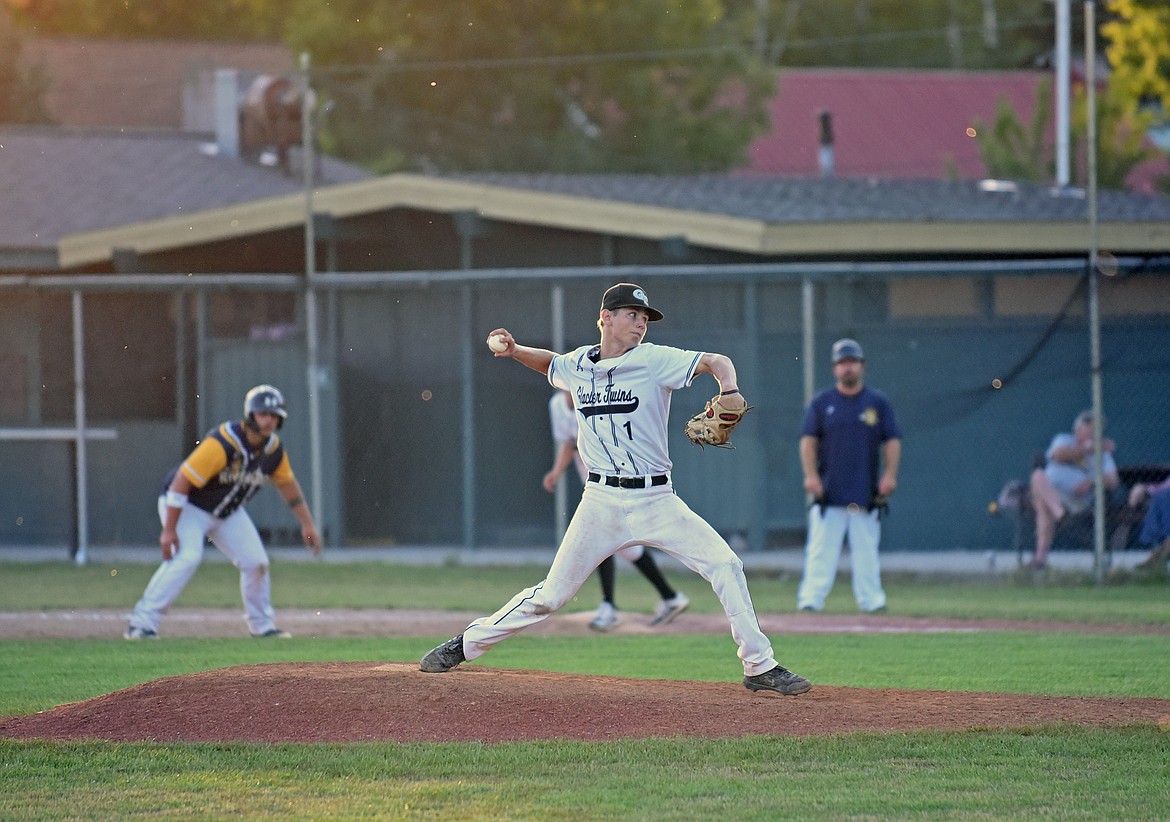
(668, 609)
(606, 618)
(132, 632)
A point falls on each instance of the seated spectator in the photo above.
(1156, 524)
(1064, 486)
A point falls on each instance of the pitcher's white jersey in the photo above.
(623, 404)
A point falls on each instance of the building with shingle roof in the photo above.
(59, 183)
(73, 197)
(164, 361)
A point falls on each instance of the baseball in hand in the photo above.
(497, 343)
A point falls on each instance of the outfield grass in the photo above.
(39, 674)
(1062, 772)
(36, 586)
(1051, 773)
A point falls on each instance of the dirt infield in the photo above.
(217, 622)
(394, 702)
(360, 702)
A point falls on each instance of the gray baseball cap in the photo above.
(1086, 418)
(847, 349)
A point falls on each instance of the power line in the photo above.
(528, 62)
(696, 52)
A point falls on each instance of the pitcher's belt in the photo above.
(629, 482)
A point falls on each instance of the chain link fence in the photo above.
(428, 440)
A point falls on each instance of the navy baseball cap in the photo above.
(624, 295)
(847, 349)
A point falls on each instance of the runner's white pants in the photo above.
(236, 536)
(609, 519)
(822, 553)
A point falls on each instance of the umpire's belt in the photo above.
(629, 482)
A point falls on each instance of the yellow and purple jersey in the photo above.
(225, 471)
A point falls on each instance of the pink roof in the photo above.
(895, 124)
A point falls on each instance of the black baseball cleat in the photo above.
(781, 680)
(444, 657)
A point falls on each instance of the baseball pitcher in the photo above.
(621, 390)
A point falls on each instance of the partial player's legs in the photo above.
(527, 608)
(865, 533)
(173, 575)
(1049, 510)
(1156, 532)
(606, 618)
(673, 603)
(595, 532)
(822, 553)
(1157, 559)
(237, 537)
(685, 535)
(605, 522)
(688, 537)
(606, 573)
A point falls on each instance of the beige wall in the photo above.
(1025, 297)
(1137, 296)
(954, 297)
(1034, 296)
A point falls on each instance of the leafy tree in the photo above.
(882, 33)
(685, 96)
(1121, 134)
(580, 85)
(1014, 151)
(1135, 97)
(161, 19)
(22, 89)
(1139, 53)
(898, 33)
(1139, 50)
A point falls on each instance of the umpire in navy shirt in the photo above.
(850, 449)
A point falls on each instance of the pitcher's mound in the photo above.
(366, 702)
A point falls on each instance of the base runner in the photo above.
(204, 498)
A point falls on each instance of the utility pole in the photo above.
(1062, 91)
(312, 367)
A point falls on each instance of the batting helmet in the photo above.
(266, 399)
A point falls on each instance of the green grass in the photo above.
(1062, 772)
(36, 586)
(40, 674)
(1056, 772)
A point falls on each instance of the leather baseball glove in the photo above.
(715, 424)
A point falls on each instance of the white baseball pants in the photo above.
(608, 520)
(631, 553)
(822, 553)
(236, 536)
